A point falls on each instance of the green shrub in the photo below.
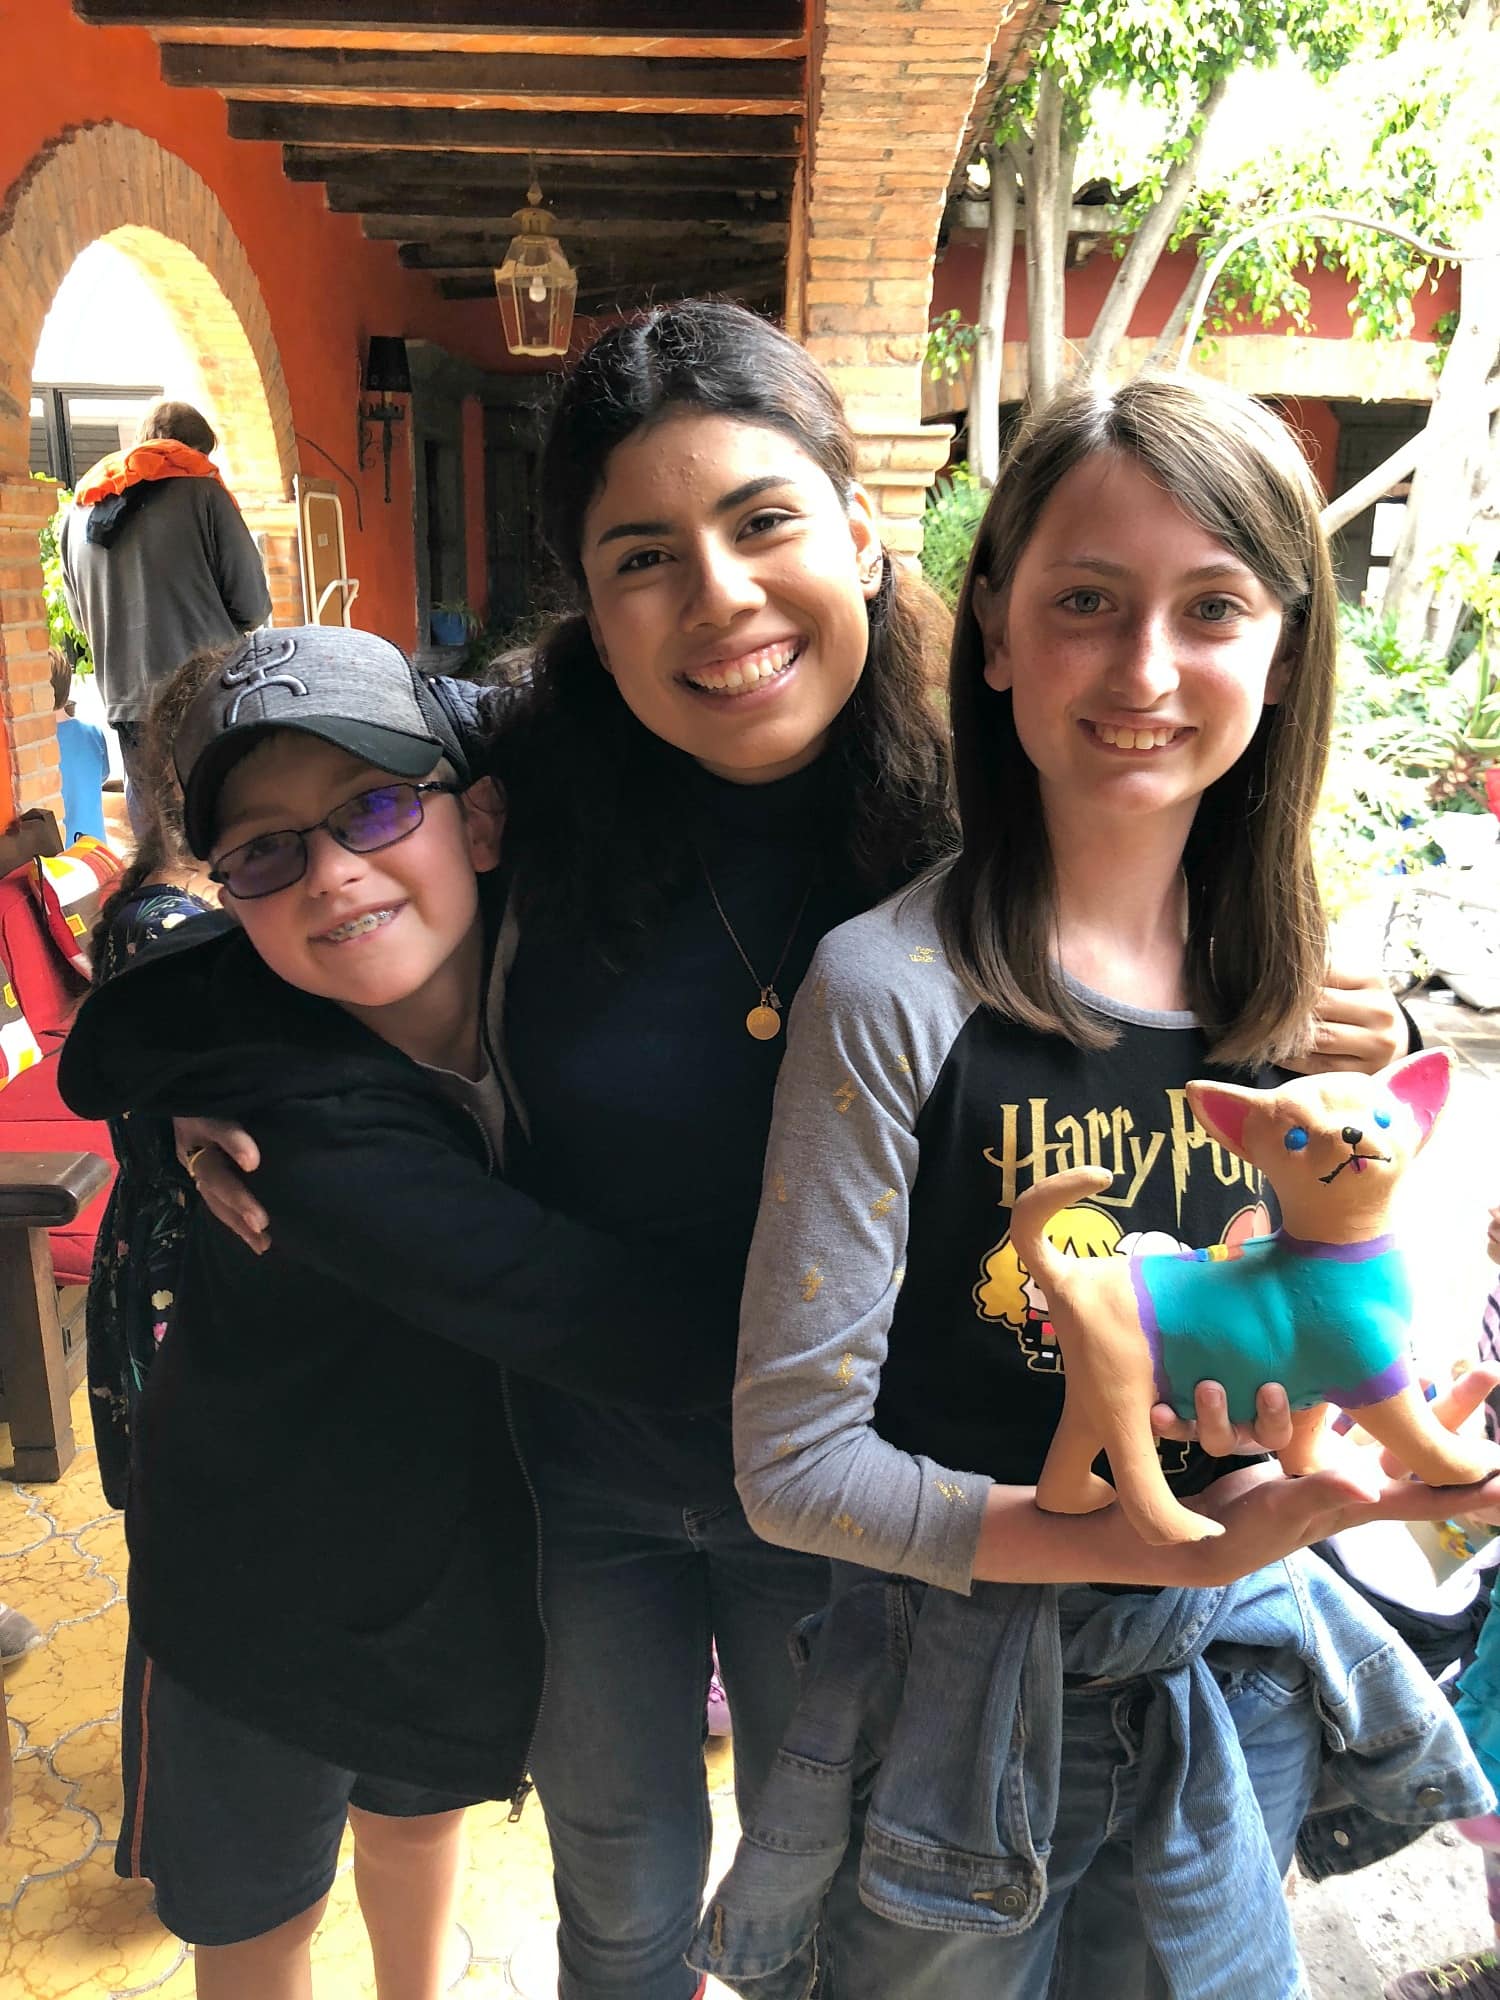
(955, 507)
(61, 631)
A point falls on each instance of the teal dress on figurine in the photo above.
(1327, 1320)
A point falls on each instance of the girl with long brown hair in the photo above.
(1034, 1756)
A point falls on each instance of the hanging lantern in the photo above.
(536, 285)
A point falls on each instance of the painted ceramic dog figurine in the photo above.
(1323, 1306)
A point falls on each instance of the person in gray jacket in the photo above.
(157, 562)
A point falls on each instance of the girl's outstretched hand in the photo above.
(215, 1153)
(1358, 1025)
(1265, 1515)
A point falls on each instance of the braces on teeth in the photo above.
(371, 921)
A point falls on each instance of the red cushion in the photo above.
(33, 1118)
(48, 989)
(72, 888)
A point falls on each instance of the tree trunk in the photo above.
(1048, 184)
(1148, 243)
(1451, 484)
(1160, 357)
(994, 297)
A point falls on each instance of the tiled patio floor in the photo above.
(68, 1929)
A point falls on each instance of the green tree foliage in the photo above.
(61, 631)
(955, 507)
(1174, 58)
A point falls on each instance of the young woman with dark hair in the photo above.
(730, 748)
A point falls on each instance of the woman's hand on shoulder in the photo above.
(215, 1154)
(1358, 1025)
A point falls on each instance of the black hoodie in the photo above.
(331, 1534)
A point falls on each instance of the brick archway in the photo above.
(112, 182)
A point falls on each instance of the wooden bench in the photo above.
(41, 1331)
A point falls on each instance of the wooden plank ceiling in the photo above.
(665, 133)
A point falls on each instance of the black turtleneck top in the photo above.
(648, 1102)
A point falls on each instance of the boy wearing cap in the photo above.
(333, 1579)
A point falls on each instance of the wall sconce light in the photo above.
(386, 375)
(536, 285)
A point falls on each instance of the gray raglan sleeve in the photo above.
(868, 1035)
(238, 570)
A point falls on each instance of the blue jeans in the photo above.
(634, 1589)
(138, 803)
(1088, 1941)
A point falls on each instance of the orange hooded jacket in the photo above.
(157, 458)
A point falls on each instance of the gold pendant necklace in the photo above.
(764, 1019)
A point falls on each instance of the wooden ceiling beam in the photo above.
(607, 21)
(565, 173)
(423, 211)
(760, 287)
(437, 237)
(477, 252)
(519, 83)
(370, 127)
(662, 215)
(728, 48)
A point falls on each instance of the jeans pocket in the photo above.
(1253, 1674)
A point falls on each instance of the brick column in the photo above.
(33, 778)
(894, 87)
(274, 525)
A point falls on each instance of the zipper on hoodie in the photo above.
(525, 1788)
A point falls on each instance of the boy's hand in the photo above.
(1210, 1425)
(215, 1153)
(1493, 1237)
(1357, 1026)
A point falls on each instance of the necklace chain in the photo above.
(764, 1019)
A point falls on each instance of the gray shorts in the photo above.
(237, 1831)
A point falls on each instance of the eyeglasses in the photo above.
(361, 825)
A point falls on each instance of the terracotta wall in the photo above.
(325, 286)
(956, 283)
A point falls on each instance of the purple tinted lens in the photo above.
(263, 866)
(377, 818)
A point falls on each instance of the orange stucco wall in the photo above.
(956, 283)
(326, 287)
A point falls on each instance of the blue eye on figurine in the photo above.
(1382, 1118)
(1296, 1139)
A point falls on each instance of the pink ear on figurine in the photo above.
(1221, 1109)
(1421, 1082)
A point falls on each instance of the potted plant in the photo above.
(451, 623)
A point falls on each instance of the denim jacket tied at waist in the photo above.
(961, 1815)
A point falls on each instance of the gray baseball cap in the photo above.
(350, 688)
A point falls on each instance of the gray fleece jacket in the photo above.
(184, 573)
